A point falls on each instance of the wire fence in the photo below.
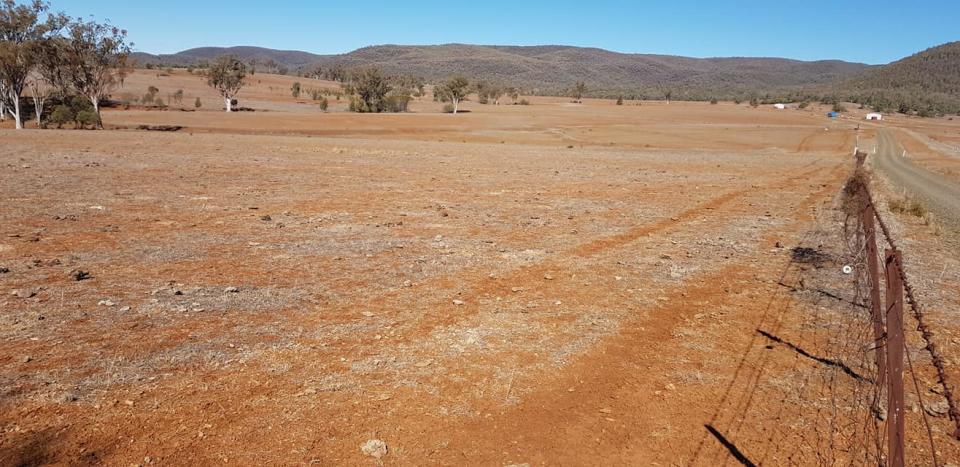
(832, 376)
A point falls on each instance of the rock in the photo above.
(4, 270)
(106, 303)
(459, 302)
(27, 359)
(937, 409)
(516, 289)
(367, 314)
(125, 309)
(24, 293)
(374, 448)
(79, 274)
(266, 218)
(407, 284)
(231, 290)
(548, 277)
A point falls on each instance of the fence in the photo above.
(888, 322)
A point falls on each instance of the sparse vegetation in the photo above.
(368, 88)
(908, 206)
(227, 75)
(453, 91)
(579, 89)
(295, 90)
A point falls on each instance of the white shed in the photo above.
(779, 106)
(874, 116)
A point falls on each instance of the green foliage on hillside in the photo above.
(927, 82)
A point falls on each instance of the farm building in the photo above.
(874, 116)
(779, 106)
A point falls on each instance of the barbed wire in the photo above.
(936, 357)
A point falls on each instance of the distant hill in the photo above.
(928, 82)
(553, 69)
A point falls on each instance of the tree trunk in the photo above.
(96, 109)
(3, 110)
(16, 113)
(38, 108)
(229, 103)
(456, 105)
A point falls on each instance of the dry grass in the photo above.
(909, 206)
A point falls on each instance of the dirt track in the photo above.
(940, 194)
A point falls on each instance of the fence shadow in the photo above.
(826, 361)
(732, 448)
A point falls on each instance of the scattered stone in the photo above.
(548, 277)
(516, 289)
(937, 409)
(374, 448)
(266, 218)
(79, 274)
(4, 270)
(407, 284)
(459, 302)
(27, 359)
(24, 293)
(367, 314)
(125, 309)
(231, 290)
(106, 303)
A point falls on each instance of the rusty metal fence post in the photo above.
(895, 347)
(873, 274)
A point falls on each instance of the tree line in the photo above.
(71, 62)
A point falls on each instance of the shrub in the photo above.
(61, 115)
(838, 107)
(619, 101)
(907, 206)
(324, 104)
(448, 108)
(523, 102)
(804, 105)
(917, 209)
(197, 104)
(295, 90)
(713, 102)
(397, 102)
(87, 118)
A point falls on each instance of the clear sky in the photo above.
(877, 31)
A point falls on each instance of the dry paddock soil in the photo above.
(550, 285)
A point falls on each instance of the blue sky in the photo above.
(877, 31)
